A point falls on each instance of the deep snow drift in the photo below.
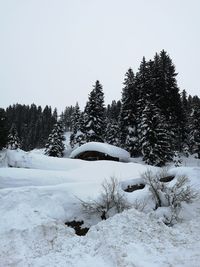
(39, 193)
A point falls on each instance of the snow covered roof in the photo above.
(110, 150)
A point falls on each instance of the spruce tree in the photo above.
(156, 82)
(67, 118)
(55, 146)
(112, 133)
(194, 135)
(168, 97)
(75, 125)
(154, 136)
(143, 84)
(76, 119)
(128, 115)
(94, 115)
(185, 122)
(13, 139)
(113, 111)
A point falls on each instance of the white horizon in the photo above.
(52, 52)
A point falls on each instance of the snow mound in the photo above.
(39, 194)
(110, 150)
(126, 240)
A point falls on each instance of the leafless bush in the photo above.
(155, 186)
(169, 196)
(110, 199)
(139, 204)
(180, 192)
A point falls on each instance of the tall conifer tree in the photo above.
(55, 146)
(154, 136)
(13, 139)
(128, 114)
(94, 115)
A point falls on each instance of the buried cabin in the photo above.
(100, 151)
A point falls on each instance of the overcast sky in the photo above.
(53, 51)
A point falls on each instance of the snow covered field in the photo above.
(38, 194)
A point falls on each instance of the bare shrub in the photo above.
(139, 204)
(180, 192)
(155, 186)
(169, 196)
(111, 199)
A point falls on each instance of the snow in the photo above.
(110, 150)
(39, 194)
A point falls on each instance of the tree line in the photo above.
(29, 126)
(153, 118)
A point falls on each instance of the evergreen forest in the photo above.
(153, 119)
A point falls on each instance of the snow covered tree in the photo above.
(194, 136)
(55, 114)
(177, 159)
(13, 139)
(167, 96)
(75, 125)
(156, 82)
(113, 110)
(154, 136)
(143, 84)
(55, 146)
(112, 133)
(185, 123)
(94, 115)
(128, 114)
(66, 118)
(76, 118)
(80, 136)
(3, 128)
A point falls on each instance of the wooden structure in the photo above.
(95, 155)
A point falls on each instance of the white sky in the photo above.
(53, 51)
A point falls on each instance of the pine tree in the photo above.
(94, 115)
(55, 114)
(76, 118)
(3, 128)
(154, 137)
(128, 114)
(194, 136)
(156, 82)
(143, 84)
(185, 123)
(77, 136)
(67, 118)
(113, 111)
(13, 139)
(168, 97)
(55, 146)
(80, 136)
(112, 133)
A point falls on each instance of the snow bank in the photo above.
(110, 150)
(125, 240)
(21, 159)
(40, 193)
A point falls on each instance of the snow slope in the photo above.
(40, 193)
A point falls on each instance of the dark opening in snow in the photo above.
(76, 225)
(131, 188)
(167, 178)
